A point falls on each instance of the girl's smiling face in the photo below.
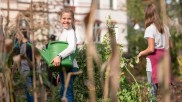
(67, 20)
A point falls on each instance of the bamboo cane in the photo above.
(33, 55)
(114, 64)
(166, 67)
(64, 99)
(90, 22)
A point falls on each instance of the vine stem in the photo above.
(131, 75)
(133, 78)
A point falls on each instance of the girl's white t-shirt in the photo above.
(159, 40)
(69, 36)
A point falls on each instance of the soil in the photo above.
(176, 92)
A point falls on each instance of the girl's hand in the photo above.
(56, 61)
(139, 55)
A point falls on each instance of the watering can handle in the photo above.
(44, 49)
(52, 42)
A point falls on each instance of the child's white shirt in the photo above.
(69, 36)
(159, 40)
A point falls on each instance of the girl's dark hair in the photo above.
(52, 38)
(24, 32)
(152, 16)
(68, 10)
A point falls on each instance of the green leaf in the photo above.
(122, 64)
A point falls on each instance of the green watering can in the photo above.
(52, 50)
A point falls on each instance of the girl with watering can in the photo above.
(68, 35)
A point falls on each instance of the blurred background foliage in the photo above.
(135, 10)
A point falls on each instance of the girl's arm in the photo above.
(150, 48)
(71, 39)
(170, 43)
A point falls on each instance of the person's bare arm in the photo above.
(150, 48)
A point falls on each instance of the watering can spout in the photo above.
(43, 53)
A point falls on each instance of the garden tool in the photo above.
(52, 50)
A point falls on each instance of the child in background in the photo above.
(25, 52)
(155, 33)
(68, 35)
